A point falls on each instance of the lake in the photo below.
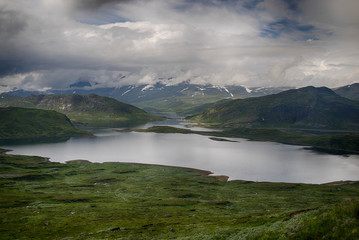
(241, 160)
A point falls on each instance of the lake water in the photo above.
(244, 160)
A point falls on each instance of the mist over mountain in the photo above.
(183, 98)
(143, 92)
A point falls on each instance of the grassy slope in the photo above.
(341, 142)
(350, 91)
(81, 200)
(300, 108)
(183, 106)
(14, 101)
(92, 108)
(25, 122)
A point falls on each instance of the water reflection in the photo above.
(247, 160)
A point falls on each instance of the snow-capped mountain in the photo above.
(133, 93)
(184, 98)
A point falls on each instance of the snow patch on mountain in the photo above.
(147, 87)
(225, 89)
(127, 91)
(184, 89)
(248, 90)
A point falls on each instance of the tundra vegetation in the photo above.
(81, 200)
(16, 122)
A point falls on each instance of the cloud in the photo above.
(53, 43)
(279, 70)
(11, 23)
(93, 4)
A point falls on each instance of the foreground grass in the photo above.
(328, 142)
(81, 200)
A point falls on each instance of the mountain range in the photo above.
(90, 109)
(260, 106)
(349, 91)
(309, 107)
(145, 92)
(183, 98)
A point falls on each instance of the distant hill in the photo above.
(93, 109)
(81, 84)
(183, 98)
(349, 91)
(25, 122)
(7, 100)
(309, 107)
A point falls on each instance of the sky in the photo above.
(51, 44)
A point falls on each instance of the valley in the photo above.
(184, 120)
(120, 183)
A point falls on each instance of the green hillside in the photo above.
(26, 122)
(309, 107)
(183, 105)
(350, 91)
(7, 100)
(93, 109)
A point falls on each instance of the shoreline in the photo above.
(201, 172)
(266, 135)
(46, 136)
(83, 200)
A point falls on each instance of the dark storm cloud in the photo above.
(95, 4)
(11, 23)
(10, 67)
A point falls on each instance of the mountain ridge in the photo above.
(183, 98)
(307, 107)
(91, 108)
(350, 91)
(140, 92)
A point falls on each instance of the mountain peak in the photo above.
(349, 91)
(90, 107)
(307, 107)
(315, 89)
(81, 84)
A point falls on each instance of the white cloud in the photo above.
(53, 43)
